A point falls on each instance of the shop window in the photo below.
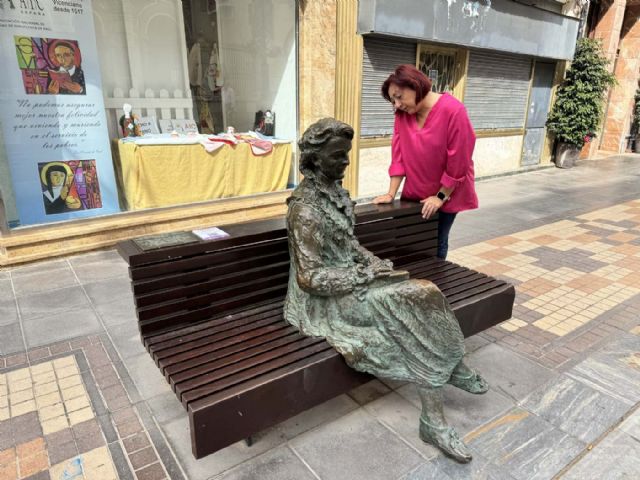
(211, 88)
(440, 67)
(444, 66)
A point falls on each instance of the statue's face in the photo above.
(333, 159)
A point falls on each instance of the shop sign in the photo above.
(52, 111)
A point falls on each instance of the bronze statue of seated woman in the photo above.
(382, 322)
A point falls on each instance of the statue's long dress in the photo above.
(403, 331)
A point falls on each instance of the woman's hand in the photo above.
(430, 205)
(386, 198)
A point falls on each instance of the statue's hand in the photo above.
(381, 268)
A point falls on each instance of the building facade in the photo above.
(203, 76)
(617, 24)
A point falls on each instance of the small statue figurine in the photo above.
(382, 322)
(129, 123)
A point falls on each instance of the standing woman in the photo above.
(432, 145)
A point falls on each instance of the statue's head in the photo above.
(324, 149)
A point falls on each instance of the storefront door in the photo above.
(538, 110)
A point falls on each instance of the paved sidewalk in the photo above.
(80, 397)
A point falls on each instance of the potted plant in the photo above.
(578, 107)
(635, 127)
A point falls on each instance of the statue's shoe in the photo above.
(473, 383)
(446, 439)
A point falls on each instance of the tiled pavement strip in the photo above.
(80, 398)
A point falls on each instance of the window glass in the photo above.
(440, 67)
(118, 106)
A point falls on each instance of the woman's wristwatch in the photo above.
(441, 196)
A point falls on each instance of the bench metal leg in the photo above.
(248, 441)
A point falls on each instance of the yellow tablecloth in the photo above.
(161, 175)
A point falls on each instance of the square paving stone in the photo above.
(26, 427)
(11, 339)
(61, 325)
(402, 417)
(616, 457)
(323, 413)
(575, 408)
(613, 370)
(100, 270)
(118, 313)
(52, 302)
(507, 372)
(6, 290)
(443, 468)
(527, 446)
(278, 464)
(178, 435)
(631, 426)
(369, 392)
(146, 376)
(105, 291)
(126, 339)
(38, 282)
(39, 267)
(358, 447)
(166, 407)
(8, 312)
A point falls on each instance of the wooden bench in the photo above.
(210, 315)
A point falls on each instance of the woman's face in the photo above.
(403, 98)
(333, 159)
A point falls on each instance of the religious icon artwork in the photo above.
(69, 186)
(50, 66)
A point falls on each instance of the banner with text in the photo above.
(52, 111)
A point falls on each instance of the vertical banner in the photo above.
(52, 111)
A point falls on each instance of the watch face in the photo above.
(441, 196)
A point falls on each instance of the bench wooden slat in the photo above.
(147, 291)
(216, 340)
(224, 293)
(241, 372)
(205, 363)
(210, 372)
(157, 340)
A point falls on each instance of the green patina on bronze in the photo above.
(381, 321)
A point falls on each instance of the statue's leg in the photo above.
(434, 428)
(468, 379)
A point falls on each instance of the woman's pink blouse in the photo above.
(438, 154)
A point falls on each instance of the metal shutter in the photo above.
(496, 90)
(381, 57)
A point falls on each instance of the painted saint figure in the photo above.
(382, 322)
(69, 77)
(57, 179)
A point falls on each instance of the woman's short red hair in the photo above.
(408, 76)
